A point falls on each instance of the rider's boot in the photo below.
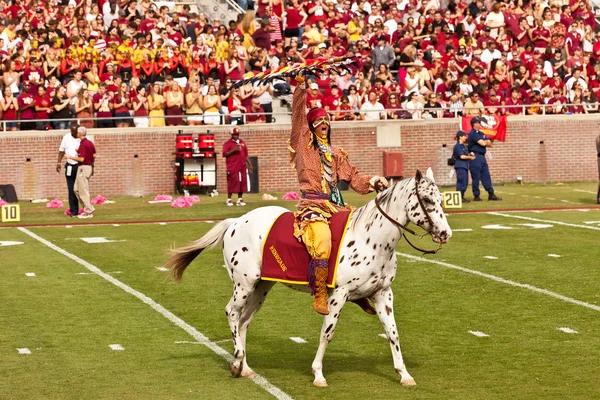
(321, 273)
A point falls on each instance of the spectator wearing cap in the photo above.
(26, 103)
(478, 143)
(558, 103)
(411, 12)
(461, 157)
(534, 102)
(383, 53)
(467, 40)
(314, 98)
(34, 74)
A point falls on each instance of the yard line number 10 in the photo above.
(11, 213)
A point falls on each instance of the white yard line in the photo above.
(544, 220)
(116, 347)
(259, 380)
(584, 191)
(297, 339)
(479, 334)
(505, 281)
(24, 350)
(567, 330)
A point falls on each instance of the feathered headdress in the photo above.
(313, 67)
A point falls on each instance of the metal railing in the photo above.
(225, 117)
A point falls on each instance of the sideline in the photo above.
(591, 207)
(200, 338)
(502, 280)
(595, 228)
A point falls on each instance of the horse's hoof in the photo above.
(236, 371)
(408, 382)
(320, 383)
(249, 374)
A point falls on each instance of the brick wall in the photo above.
(139, 162)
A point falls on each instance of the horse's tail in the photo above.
(183, 256)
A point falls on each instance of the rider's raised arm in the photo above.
(299, 123)
(360, 183)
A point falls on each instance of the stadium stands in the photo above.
(134, 63)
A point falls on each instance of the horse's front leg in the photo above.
(384, 305)
(336, 302)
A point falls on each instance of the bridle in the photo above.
(406, 228)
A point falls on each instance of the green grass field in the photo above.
(67, 316)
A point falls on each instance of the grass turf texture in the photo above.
(73, 318)
(129, 209)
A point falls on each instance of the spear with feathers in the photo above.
(312, 67)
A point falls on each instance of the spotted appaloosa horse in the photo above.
(367, 264)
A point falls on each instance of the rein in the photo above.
(407, 229)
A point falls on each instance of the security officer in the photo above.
(478, 143)
(461, 163)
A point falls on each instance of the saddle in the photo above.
(285, 259)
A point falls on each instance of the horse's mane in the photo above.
(366, 214)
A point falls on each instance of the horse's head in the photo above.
(424, 208)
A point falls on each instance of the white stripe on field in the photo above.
(490, 257)
(24, 351)
(462, 230)
(567, 330)
(479, 334)
(505, 281)
(29, 273)
(297, 339)
(584, 191)
(544, 220)
(383, 335)
(554, 255)
(116, 347)
(259, 380)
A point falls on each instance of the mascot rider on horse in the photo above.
(320, 167)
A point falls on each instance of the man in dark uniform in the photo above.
(461, 163)
(478, 143)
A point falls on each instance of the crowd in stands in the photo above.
(130, 63)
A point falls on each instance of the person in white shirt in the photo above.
(491, 53)
(69, 146)
(372, 109)
(110, 10)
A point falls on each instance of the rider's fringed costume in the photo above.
(320, 167)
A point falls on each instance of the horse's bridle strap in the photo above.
(407, 229)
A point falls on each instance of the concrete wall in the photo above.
(140, 161)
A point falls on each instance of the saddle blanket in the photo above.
(285, 259)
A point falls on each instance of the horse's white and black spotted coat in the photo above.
(367, 265)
